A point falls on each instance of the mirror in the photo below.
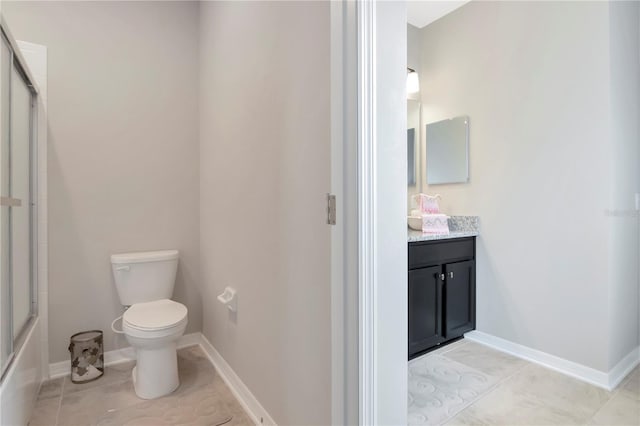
(413, 128)
(447, 151)
(411, 156)
(413, 147)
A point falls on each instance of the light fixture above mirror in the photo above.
(413, 81)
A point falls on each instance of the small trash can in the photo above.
(87, 356)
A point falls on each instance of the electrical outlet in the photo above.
(637, 201)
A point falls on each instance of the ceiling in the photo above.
(421, 13)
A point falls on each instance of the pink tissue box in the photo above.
(435, 224)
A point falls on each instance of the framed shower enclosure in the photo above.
(18, 218)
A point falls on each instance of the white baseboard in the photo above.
(590, 375)
(190, 339)
(624, 367)
(59, 369)
(249, 402)
(117, 356)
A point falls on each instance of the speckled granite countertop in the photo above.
(459, 227)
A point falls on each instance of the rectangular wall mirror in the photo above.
(413, 140)
(447, 153)
(411, 156)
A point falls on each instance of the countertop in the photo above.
(459, 227)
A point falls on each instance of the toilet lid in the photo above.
(155, 315)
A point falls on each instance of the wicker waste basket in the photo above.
(87, 356)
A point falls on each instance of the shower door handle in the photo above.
(10, 202)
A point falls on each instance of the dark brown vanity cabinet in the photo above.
(442, 292)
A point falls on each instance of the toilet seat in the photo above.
(154, 319)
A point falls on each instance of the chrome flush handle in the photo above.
(451, 274)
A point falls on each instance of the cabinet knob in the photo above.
(451, 274)
(442, 277)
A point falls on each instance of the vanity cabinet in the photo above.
(442, 292)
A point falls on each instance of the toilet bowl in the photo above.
(151, 323)
(152, 329)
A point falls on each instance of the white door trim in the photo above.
(366, 24)
(381, 189)
(344, 235)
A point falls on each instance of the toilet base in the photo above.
(156, 371)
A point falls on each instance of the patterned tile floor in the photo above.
(202, 399)
(498, 389)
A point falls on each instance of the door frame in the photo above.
(344, 235)
(382, 177)
(369, 244)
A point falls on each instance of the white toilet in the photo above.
(152, 323)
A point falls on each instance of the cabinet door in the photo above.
(459, 298)
(425, 309)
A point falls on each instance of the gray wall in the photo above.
(534, 79)
(264, 163)
(123, 150)
(624, 283)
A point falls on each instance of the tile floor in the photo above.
(202, 399)
(500, 389)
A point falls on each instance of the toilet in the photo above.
(152, 323)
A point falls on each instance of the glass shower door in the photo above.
(17, 279)
(6, 327)
(20, 182)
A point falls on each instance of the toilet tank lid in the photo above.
(145, 256)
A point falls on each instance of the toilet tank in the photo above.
(144, 276)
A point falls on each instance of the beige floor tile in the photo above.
(239, 417)
(504, 407)
(630, 386)
(466, 418)
(194, 354)
(620, 410)
(45, 412)
(202, 407)
(86, 407)
(113, 374)
(537, 396)
(559, 391)
(240, 420)
(485, 359)
(142, 414)
(529, 394)
(201, 399)
(194, 370)
(448, 347)
(51, 388)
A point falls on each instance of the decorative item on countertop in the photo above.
(427, 204)
(436, 224)
(87, 356)
(433, 222)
